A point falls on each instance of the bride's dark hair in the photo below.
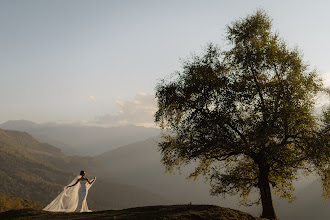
(82, 173)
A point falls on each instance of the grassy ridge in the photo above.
(174, 212)
(11, 202)
(25, 168)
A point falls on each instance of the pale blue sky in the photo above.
(78, 60)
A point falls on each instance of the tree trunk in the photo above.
(266, 195)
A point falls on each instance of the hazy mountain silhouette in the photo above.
(139, 164)
(75, 139)
(308, 204)
(36, 171)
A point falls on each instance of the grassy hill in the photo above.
(11, 202)
(177, 212)
(24, 170)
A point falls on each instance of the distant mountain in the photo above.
(75, 139)
(11, 202)
(139, 164)
(308, 205)
(19, 124)
(36, 171)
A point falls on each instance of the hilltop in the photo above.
(173, 212)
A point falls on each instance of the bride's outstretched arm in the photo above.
(74, 183)
(90, 182)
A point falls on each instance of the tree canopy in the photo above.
(246, 115)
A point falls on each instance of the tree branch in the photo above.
(238, 132)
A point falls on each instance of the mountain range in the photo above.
(132, 175)
(77, 139)
(139, 164)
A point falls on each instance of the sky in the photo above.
(99, 61)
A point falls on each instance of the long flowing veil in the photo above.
(67, 200)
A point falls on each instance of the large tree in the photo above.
(245, 115)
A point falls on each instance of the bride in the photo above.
(73, 197)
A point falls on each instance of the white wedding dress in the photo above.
(71, 199)
(82, 193)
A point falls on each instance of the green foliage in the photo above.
(245, 114)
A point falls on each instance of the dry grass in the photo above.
(174, 212)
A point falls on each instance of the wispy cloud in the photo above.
(138, 111)
(90, 97)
